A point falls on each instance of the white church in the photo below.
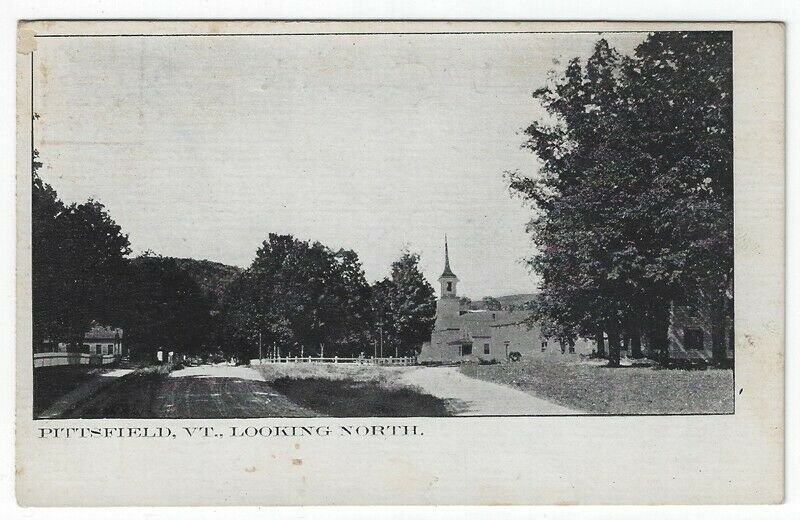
(471, 335)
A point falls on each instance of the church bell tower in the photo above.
(447, 306)
(448, 280)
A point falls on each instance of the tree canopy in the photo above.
(78, 260)
(82, 274)
(633, 202)
(296, 297)
(404, 304)
(299, 295)
(164, 309)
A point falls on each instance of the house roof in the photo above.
(100, 332)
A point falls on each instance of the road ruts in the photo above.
(220, 391)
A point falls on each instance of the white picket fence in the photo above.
(53, 359)
(392, 361)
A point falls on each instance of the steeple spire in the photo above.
(448, 273)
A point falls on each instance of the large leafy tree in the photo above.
(47, 309)
(682, 91)
(404, 304)
(634, 198)
(164, 309)
(299, 296)
(78, 259)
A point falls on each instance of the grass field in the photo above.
(51, 383)
(349, 390)
(594, 388)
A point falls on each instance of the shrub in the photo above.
(515, 356)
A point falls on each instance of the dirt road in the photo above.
(222, 391)
(208, 391)
(475, 397)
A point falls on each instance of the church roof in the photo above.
(447, 273)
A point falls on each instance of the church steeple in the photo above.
(447, 272)
(448, 279)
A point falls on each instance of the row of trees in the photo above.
(634, 201)
(82, 273)
(488, 303)
(298, 296)
(303, 298)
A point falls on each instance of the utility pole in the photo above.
(260, 355)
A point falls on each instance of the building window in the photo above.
(449, 286)
(693, 339)
(544, 346)
(99, 349)
(485, 348)
(466, 349)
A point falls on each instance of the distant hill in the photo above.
(212, 277)
(516, 300)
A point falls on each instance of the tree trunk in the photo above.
(613, 347)
(600, 341)
(718, 343)
(636, 344)
(658, 337)
(77, 342)
(37, 339)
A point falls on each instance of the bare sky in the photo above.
(200, 147)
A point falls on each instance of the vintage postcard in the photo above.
(269, 263)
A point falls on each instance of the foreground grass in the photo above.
(132, 396)
(627, 390)
(52, 383)
(349, 390)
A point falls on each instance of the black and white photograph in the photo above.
(396, 224)
(383, 262)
